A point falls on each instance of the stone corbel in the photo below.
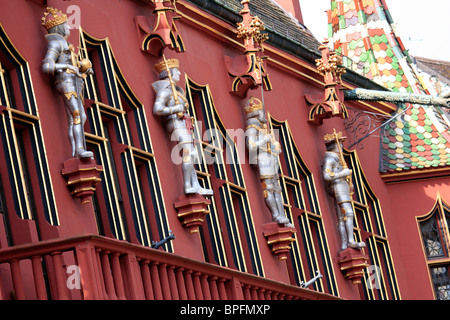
(279, 239)
(352, 263)
(331, 103)
(164, 32)
(82, 175)
(192, 210)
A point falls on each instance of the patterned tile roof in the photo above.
(276, 19)
(436, 73)
(363, 32)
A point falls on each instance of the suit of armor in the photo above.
(339, 187)
(62, 65)
(263, 152)
(179, 126)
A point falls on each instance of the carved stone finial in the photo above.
(332, 102)
(250, 29)
(253, 72)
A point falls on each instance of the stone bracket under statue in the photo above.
(353, 263)
(279, 239)
(82, 175)
(192, 209)
(159, 31)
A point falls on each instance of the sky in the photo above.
(423, 26)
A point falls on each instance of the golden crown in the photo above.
(328, 138)
(52, 18)
(253, 104)
(172, 63)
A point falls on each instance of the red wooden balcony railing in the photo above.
(110, 269)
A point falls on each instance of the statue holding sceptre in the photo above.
(337, 175)
(171, 104)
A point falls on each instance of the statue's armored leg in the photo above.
(270, 196)
(341, 227)
(279, 203)
(70, 130)
(347, 210)
(187, 168)
(270, 203)
(191, 184)
(83, 122)
(196, 183)
(78, 130)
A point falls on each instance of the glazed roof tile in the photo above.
(362, 31)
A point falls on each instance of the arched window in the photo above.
(435, 233)
(369, 227)
(310, 252)
(129, 203)
(24, 161)
(230, 237)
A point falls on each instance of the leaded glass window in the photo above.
(435, 236)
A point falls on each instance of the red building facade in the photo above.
(73, 229)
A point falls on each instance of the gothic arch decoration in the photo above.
(310, 251)
(164, 33)
(22, 139)
(435, 234)
(230, 237)
(331, 103)
(133, 206)
(369, 227)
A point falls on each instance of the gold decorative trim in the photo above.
(355, 265)
(193, 211)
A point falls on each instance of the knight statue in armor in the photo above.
(171, 103)
(263, 153)
(68, 74)
(338, 179)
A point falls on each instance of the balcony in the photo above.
(92, 267)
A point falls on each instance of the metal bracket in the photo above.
(310, 282)
(156, 245)
(363, 124)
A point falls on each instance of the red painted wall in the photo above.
(208, 40)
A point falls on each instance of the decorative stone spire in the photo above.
(253, 63)
(250, 29)
(332, 102)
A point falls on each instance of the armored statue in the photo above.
(68, 74)
(171, 104)
(338, 179)
(263, 153)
